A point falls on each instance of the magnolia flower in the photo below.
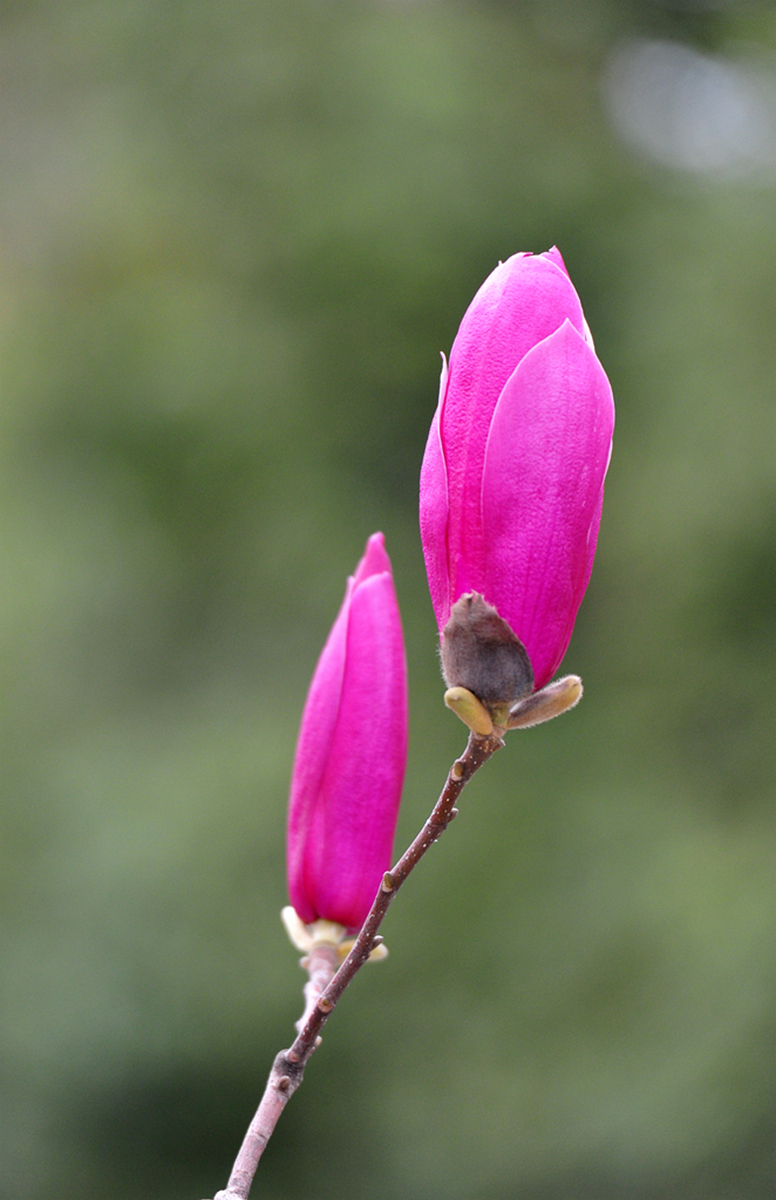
(512, 481)
(351, 754)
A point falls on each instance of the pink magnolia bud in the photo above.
(351, 754)
(512, 482)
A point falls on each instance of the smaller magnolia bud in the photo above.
(351, 754)
(481, 653)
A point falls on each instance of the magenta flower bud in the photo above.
(351, 754)
(512, 482)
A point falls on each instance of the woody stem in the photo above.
(327, 984)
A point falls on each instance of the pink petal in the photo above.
(351, 839)
(433, 522)
(375, 559)
(555, 256)
(547, 453)
(521, 303)
(592, 534)
(319, 721)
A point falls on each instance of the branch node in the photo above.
(292, 1056)
(324, 1004)
(453, 813)
(318, 1041)
(387, 884)
(457, 770)
(284, 1083)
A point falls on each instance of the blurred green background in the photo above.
(234, 238)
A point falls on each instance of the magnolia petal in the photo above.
(555, 256)
(433, 522)
(312, 753)
(375, 560)
(592, 537)
(351, 836)
(547, 453)
(521, 303)
(443, 377)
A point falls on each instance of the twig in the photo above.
(325, 987)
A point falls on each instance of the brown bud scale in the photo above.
(482, 653)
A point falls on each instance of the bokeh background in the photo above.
(234, 238)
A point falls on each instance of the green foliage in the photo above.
(234, 239)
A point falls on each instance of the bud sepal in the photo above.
(490, 676)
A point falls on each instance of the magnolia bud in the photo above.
(512, 482)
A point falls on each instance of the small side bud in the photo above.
(471, 710)
(482, 654)
(549, 702)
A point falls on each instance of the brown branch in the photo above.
(325, 987)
